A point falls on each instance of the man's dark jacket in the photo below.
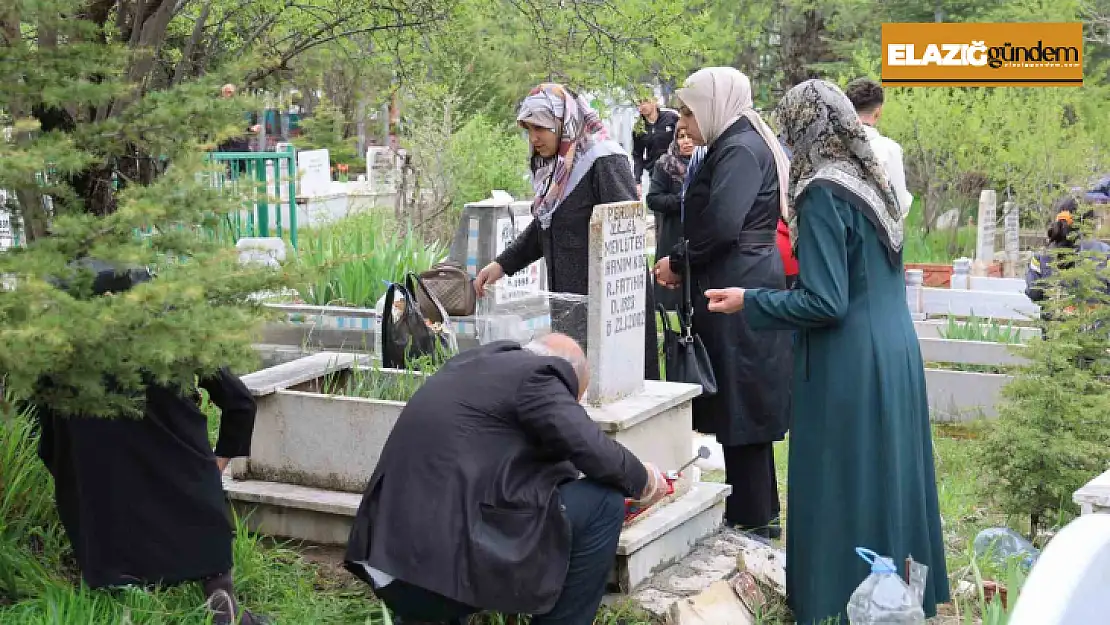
(464, 500)
(652, 141)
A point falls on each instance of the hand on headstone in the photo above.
(488, 275)
(726, 301)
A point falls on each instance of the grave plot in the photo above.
(323, 420)
(517, 307)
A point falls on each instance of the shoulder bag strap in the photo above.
(387, 323)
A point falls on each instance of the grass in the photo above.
(355, 257)
(286, 582)
(981, 329)
(374, 383)
(938, 246)
(959, 489)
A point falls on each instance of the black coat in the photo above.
(142, 500)
(565, 250)
(664, 198)
(653, 141)
(732, 212)
(464, 499)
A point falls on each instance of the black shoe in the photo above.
(771, 531)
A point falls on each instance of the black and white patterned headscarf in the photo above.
(830, 146)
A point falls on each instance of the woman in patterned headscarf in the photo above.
(861, 452)
(575, 166)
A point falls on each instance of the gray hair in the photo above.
(577, 361)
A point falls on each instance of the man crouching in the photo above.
(476, 503)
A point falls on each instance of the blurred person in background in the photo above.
(866, 96)
(651, 138)
(664, 198)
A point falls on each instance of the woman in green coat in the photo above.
(861, 451)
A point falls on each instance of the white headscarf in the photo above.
(719, 97)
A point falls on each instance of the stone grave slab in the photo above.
(618, 292)
(1068, 583)
(313, 173)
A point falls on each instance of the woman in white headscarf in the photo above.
(733, 203)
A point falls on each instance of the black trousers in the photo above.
(596, 514)
(754, 502)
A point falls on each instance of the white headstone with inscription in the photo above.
(313, 173)
(526, 282)
(984, 244)
(1011, 227)
(617, 301)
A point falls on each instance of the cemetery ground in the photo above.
(298, 583)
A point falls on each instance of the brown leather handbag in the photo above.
(452, 286)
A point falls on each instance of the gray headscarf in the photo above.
(830, 146)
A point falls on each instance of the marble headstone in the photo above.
(313, 173)
(1012, 228)
(617, 298)
(984, 244)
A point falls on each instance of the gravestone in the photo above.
(617, 300)
(915, 279)
(984, 244)
(383, 169)
(1012, 229)
(269, 251)
(313, 173)
(527, 282)
(1068, 583)
(961, 274)
(516, 307)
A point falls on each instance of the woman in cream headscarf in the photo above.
(732, 207)
(861, 452)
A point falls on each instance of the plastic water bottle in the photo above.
(883, 598)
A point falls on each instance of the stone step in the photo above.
(291, 374)
(321, 516)
(668, 534)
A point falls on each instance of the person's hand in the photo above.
(664, 275)
(488, 275)
(725, 300)
(656, 488)
(640, 191)
(256, 128)
(221, 463)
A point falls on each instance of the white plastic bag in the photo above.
(883, 598)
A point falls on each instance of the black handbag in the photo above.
(683, 351)
(412, 336)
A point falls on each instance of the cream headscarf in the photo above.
(719, 97)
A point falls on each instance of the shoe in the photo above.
(221, 606)
(223, 609)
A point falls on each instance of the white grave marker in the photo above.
(984, 245)
(269, 251)
(525, 283)
(1011, 227)
(313, 173)
(617, 300)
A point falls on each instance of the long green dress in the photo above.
(861, 451)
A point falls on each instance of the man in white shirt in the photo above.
(867, 97)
